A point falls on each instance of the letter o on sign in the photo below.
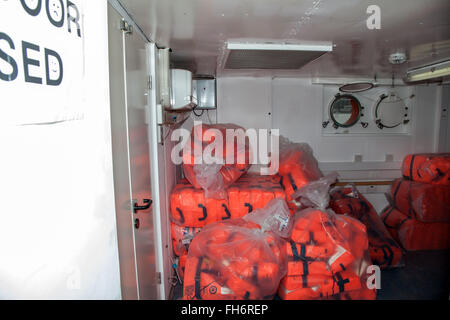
(32, 12)
(55, 12)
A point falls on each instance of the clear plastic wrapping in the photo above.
(239, 259)
(182, 238)
(327, 253)
(433, 168)
(327, 258)
(384, 250)
(421, 201)
(316, 194)
(413, 234)
(215, 173)
(297, 166)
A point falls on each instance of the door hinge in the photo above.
(150, 83)
(158, 278)
(125, 27)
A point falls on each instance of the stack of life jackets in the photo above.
(327, 258)
(236, 260)
(297, 168)
(419, 214)
(383, 249)
(234, 156)
(190, 210)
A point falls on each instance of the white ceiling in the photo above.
(197, 31)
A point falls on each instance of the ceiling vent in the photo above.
(274, 56)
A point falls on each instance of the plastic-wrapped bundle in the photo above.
(297, 166)
(431, 168)
(413, 234)
(240, 258)
(182, 238)
(190, 207)
(215, 178)
(327, 256)
(384, 251)
(327, 253)
(424, 202)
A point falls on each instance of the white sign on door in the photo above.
(41, 61)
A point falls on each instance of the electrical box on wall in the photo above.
(181, 89)
(378, 111)
(204, 91)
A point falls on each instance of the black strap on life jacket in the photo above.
(439, 175)
(395, 193)
(305, 276)
(402, 222)
(294, 251)
(182, 220)
(227, 212)
(388, 255)
(302, 251)
(341, 282)
(411, 167)
(387, 216)
(311, 238)
(205, 213)
(255, 274)
(364, 207)
(247, 296)
(291, 180)
(249, 206)
(197, 287)
(281, 182)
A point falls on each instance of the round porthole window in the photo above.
(390, 111)
(345, 111)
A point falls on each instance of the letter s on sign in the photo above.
(13, 75)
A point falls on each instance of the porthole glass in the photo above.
(345, 111)
(390, 111)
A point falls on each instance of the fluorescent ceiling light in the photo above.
(272, 55)
(436, 70)
(324, 46)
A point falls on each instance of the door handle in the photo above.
(147, 204)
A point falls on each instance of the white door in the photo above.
(131, 160)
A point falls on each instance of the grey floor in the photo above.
(424, 277)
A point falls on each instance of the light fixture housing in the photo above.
(273, 55)
(437, 70)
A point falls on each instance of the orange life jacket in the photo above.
(189, 207)
(413, 234)
(297, 168)
(320, 287)
(424, 202)
(324, 253)
(431, 168)
(384, 251)
(238, 262)
(229, 172)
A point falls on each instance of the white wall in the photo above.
(295, 106)
(57, 222)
